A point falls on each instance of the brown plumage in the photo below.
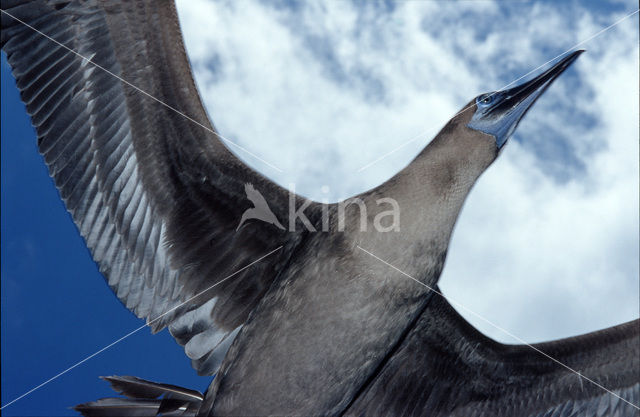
(309, 324)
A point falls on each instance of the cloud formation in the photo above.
(547, 244)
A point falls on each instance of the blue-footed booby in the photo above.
(292, 321)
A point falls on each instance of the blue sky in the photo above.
(548, 237)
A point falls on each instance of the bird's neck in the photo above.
(429, 195)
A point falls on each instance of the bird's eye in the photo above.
(485, 99)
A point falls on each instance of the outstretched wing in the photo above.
(445, 367)
(146, 178)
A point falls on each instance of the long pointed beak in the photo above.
(524, 95)
(504, 109)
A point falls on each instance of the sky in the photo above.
(546, 245)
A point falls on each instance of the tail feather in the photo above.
(144, 399)
(134, 387)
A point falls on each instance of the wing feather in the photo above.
(445, 367)
(156, 196)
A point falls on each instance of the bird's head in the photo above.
(473, 138)
(498, 113)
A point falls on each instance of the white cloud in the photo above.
(547, 245)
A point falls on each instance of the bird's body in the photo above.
(298, 320)
(329, 275)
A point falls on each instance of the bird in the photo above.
(291, 321)
(260, 209)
